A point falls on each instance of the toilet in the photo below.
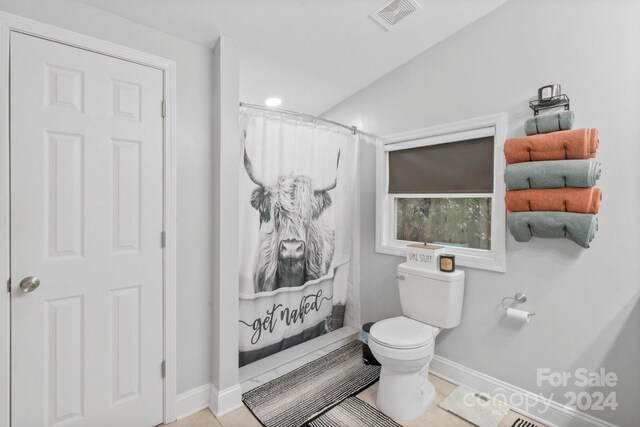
(431, 301)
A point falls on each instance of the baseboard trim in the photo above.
(224, 401)
(207, 396)
(193, 401)
(538, 408)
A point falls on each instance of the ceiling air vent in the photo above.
(394, 11)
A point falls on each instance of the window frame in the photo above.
(493, 125)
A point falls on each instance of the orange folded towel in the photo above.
(563, 145)
(578, 200)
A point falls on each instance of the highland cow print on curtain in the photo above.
(296, 216)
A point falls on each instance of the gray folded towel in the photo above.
(581, 228)
(549, 123)
(552, 174)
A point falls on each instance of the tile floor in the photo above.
(434, 416)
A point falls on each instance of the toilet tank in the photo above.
(431, 296)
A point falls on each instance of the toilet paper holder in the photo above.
(518, 298)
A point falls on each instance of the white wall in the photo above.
(586, 301)
(195, 172)
(226, 262)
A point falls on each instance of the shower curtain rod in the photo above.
(354, 130)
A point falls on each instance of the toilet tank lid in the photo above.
(431, 274)
(402, 332)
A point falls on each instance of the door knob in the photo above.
(29, 284)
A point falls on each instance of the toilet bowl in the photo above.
(404, 345)
(404, 348)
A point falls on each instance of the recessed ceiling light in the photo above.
(272, 102)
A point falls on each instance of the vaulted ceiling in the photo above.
(310, 53)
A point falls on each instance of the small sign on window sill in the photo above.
(424, 255)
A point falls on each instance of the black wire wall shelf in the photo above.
(553, 102)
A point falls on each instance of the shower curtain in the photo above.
(296, 223)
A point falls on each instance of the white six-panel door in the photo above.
(86, 220)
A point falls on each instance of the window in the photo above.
(444, 185)
(452, 221)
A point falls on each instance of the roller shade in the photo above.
(455, 167)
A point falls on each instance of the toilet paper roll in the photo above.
(518, 315)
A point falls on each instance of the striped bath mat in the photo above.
(294, 398)
(353, 412)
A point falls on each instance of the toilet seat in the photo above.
(401, 338)
(381, 351)
(402, 333)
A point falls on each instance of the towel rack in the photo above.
(555, 101)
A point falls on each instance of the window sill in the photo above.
(488, 262)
